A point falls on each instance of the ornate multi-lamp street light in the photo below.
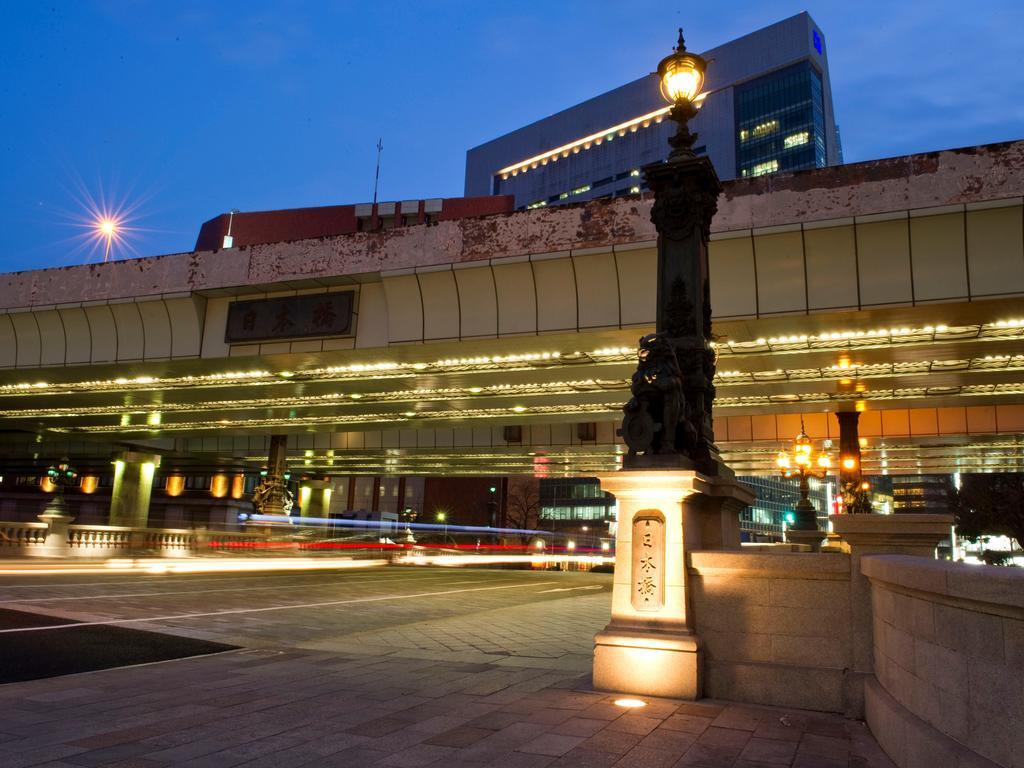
(801, 461)
(61, 475)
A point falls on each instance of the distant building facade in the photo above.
(768, 108)
(928, 494)
(569, 502)
(578, 503)
(765, 519)
(245, 228)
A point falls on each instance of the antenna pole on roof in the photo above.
(376, 178)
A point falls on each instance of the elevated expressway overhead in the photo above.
(893, 287)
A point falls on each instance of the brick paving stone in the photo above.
(521, 760)
(646, 757)
(549, 716)
(804, 760)
(380, 726)
(420, 755)
(602, 710)
(827, 746)
(495, 721)
(675, 741)
(826, 726)
(725, 737)
(638, 724)
(769, 751)
(462, 736)
(108, 755)
(586, 758)
(553, 744)
(618, 742)
(700, 708)
(739, 719)
(579, 726)
(785, 726)
(707, 756)
(687, 723)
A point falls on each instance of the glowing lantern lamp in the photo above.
(801, 461)
(681, 78)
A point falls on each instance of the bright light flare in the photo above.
(630, 703)
(106, 220)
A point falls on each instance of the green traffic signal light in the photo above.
(790, 518)
(493, 489)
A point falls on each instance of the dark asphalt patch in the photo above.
(51, 653)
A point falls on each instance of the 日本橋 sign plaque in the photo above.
(316, 314)
(648, 561)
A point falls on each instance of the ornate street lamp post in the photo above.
(273, 496)
(667, 422)
(801, 461)
(61, 475)
(673, 479)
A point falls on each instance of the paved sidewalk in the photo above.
(497, 676)
(292, 708)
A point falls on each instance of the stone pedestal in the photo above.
(905, 534)
(133, 485)
(811, 539)
(56, 543)
(649, 647)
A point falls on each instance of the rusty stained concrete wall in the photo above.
(949, 177)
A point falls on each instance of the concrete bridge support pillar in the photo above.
(133, 485)
(315, 498)
(849, 448)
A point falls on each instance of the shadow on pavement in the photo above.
(40, 652)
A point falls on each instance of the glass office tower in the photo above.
(780, 122)
(768, 108)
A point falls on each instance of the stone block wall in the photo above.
(776, 628)
(949, 661)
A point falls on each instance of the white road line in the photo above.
(570, 589)
(154, 578)
(146, 619)
(202, 591)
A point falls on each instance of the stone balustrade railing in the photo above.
(96, 538)
(99, 541)
(15, 538)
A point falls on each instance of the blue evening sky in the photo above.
(181, 110)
